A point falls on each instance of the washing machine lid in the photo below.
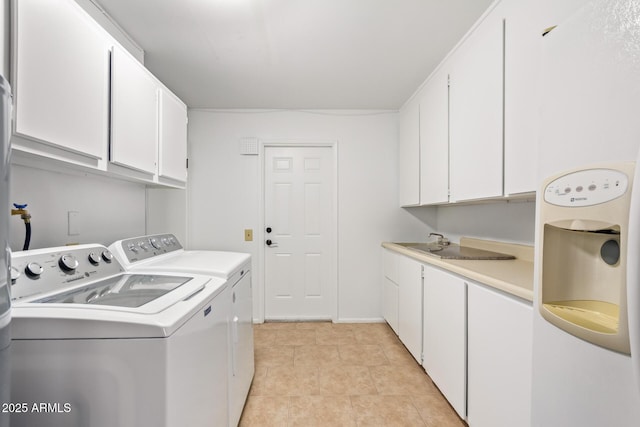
(124, 306)
(215, 263)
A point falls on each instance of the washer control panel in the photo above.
(586, 188)
(145, 247)
(47, 270)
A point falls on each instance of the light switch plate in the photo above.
(73, 223)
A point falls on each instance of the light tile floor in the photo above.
(325, 374)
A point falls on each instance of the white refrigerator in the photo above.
(5, 276)
(590, 114)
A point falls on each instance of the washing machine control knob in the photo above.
(155, 243)
(143, 246)
(107, 256)
(94, 258)
(132, 247)
(68, 262)
(33, 270)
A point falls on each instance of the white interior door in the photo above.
(299, 233)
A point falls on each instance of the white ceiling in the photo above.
(294, 54)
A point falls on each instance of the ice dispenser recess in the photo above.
(584, 218)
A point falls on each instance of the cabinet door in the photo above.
(445, 336)
(390, 303)
(410, 306)
(61, 77)
(390, 290)
(409, 154)
(525, 23)
(134, 114)
(390, 264)
(173, 137)
(499, 361)
(475, 95)
(523, 36)
(434, 140)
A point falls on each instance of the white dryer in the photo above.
(163, 252)
(96, 346)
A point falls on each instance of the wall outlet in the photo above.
(248, 235)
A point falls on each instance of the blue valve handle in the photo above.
(17, 206)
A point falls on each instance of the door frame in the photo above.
(297, 143)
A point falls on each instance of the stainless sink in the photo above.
(454, 251)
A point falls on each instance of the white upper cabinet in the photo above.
(409, 154)
(476, 107)
(84, 101)
(61, 81)
(173, 138)
(523, 36)
(434, 139)
(525, 24)
(134, 114)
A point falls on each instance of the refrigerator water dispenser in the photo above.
(584, 217)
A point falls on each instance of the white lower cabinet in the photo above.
(402, 299)
(390, 306)
(410, 305)
(390, 288)
(445, 337)
(499, 359)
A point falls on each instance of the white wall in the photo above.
(108, 209)
(167, 212)
(512, 221)
(224, 193)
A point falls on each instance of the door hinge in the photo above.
(422, 271)
(187, 163)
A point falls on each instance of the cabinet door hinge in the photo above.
(422, 271)
(187, 163)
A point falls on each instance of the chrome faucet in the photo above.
(441, 240)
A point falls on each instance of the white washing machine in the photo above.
(96, 346)
(163, 252)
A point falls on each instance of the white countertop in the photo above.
(511, 276)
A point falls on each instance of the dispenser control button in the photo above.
(68, 262)
(94, 258)
(567, 190)
(33, 270)
(579, 188)
(107, 256)
(592, 187)
(15, 275)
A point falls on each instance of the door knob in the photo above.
(268, 230)
(271, 243)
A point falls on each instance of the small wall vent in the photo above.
(249, 146)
